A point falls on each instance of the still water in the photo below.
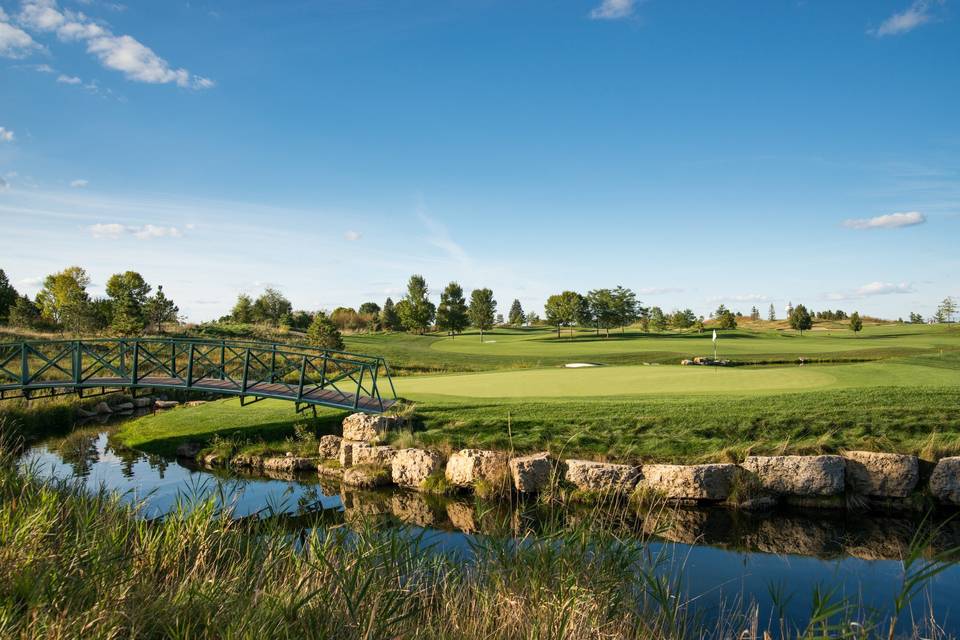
(723, 556)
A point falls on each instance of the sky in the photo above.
(700, 152)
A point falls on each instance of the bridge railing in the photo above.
(301, 373)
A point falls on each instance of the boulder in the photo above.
(247, 461)
(124, 407)
(945, 480)
(194, 403)
(467, 466)
(365, 428)
(881, 475)
(381, 455)
(289, 464)
(103, 408)
(189, 450)
(799, 475)
(213, 459)
(410, 467)
(329, 447)
(366, 476)
(601, 476)
(143, 403)
(83, 413)
(165, 404)
(690, 482)
(531, 474)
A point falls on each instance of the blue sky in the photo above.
(698, 152)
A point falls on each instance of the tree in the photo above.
(128, 293)
(789, 310)
(856, 324)
(8, 297)
(389, 319)
(300, 320)
(25, 314)
(643, 315)
(516, 317)
(482, 310)
(563, 309)
(698, 325)
(368, 308)
(772, 313)
(160, 309)
(345, 318)
(500, 321)
(754, 314)
(626, 306)
(682, 319)
(603, 309)
(270, 307)
(722, 309)
(727, 320)
(800, 319)
(323, 333)
(64, 301)
(418, 312)
(243, 309)
(452, 312)
(916, 318)
(657, 319)
(946, 310)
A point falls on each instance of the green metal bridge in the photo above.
(307, 376)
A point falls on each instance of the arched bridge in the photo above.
(307, 376)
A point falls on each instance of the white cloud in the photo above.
(655, 291)
(15, 42)
(115, 231)
(873, 289)
(440, 238)
(6, 135)
(121, 53)
(888, 221)
(613, 10)
(3, 185)
(352, 236)
(79, 184)
(917, 14)
(44, 68)
(744, 297)
(65, 79)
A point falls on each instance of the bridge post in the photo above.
(246, 366)
(356, 399)
(303, 373)
(24, 365)
(122, 348)
(173, 358)
(273, 363)
(136, 358)
(77, 362)
(190, 367)
(223, 359)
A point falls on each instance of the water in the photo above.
(722, 556)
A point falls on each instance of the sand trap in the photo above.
(580, 365)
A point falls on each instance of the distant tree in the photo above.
(452, 312)
(64, 301)
(603, 311)
(271, 306)
(532, 317)
(856, 324)
(682, 319)
(916, 318)
(8, 297)
(800, 319)
(727, 320)
(657, 320)
(418, 312)
(300, 320)
(500, 320)
(389, 319)
(789, 310)
(626, 306)
(323, 333)
(369, 308)
(482, 310)
(698, 325)
(722, 309)
(772, 313)
(643, 315)
(754, 314)
(160, 310)
(25, 314)
(128, 293)
(243, 309)
(946, 310)
(563, 309)
(516, 316)
(346, 319)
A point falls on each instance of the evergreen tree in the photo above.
(772, 313)
(25, 314)
(698, 325)
(323, 333)
(657, 320)
(128, 293)
(856, 324)
(516, 317)
(946, 310)
(800, 319)
(482, 310)
(754, 314)
(727, 320)
(418, 312)
(243, 309)
(389, 319)
(452, 312)
(160, 309)
(916, 318)
(8, 297)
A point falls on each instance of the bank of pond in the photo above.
(725, 570)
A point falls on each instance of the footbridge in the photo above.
(304, 375)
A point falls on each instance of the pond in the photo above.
(722, 555)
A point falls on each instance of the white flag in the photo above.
(714, 335)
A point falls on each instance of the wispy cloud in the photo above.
(656, 291)
(872, 289)
(65, 79)
(613, 10)
(352, 236)
(15, 42)
(6, 135)
(79, 184)
(439, 237)
(115, 231)
(888, 221)
(917, 14)
(122, 53)
(743, 297)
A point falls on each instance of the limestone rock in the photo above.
(467, 466)
(411, 467)
(247, 461)
(289, 464)
(354, 453)
(601, 476)
(123, 407)
(799, 475)
(945, 480)
(143, 403)
(188, 450)
(690, 482)
(462, 515)
(329, 447)
(165, 404)
(883, 475)
(531, 474)
(366, 476)
(213, 460)
(103, 408)
(365, 428)
(194, 403)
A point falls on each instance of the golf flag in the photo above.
(714, 335)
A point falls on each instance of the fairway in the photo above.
(644, 380)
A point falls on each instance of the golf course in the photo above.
(892, 385)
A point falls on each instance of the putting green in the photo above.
(644, 380)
